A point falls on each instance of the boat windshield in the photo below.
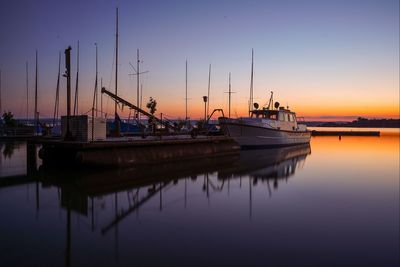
(265, 114)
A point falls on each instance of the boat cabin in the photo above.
(284, 119)
(279, 115)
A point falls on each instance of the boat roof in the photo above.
(270, 111)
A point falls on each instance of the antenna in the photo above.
(229, 93)
(271, 101)
(137, 73)
(76, 84)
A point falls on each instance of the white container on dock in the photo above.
(82, 127)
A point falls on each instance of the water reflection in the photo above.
(126, 191)
(8, 148)
(257, 207)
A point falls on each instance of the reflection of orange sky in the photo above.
(354, 160)
(382, 150)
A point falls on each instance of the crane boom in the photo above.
(118, 99)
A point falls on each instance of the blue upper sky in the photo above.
(313, 54)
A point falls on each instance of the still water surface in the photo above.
(333, 203)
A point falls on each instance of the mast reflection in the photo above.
(128, 190)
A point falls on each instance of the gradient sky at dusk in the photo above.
(322, 58)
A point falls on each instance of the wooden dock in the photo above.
(345, 133)
(132, 152)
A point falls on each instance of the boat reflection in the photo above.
(117, 194)
(265, 165)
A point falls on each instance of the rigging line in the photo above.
(76, 84)
(56, 104)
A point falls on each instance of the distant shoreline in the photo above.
(359, 123)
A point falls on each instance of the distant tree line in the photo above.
(360, 122)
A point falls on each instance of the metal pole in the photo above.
(205, 112)
(68, 76)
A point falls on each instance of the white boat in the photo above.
(266, 127)
(270, 126)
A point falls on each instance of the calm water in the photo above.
(334, 203)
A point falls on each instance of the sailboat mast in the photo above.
(116, 62)
(137, 83)
(101, 97)
(186, 98)
(209, 86)
(95, 84)
(230, 93)
(76, 84)
(1, 110)
(27, 91)
(36, 117)
(251, 81)
(141, 96)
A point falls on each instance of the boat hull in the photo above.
(249, 136)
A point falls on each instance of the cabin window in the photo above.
(272, 116)
(281, 116)
(291, 117)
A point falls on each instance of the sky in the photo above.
(326, 60)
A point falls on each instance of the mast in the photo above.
(0, 95)
(186, 98)
(141, 96)
(67, 74)
(94, 98)
(137, 83)
(101, 97)
(95, 86)
(36, 117)
(251, 82)
(56, 104)
(230, 93)
(116, 118)
(209, 85)
(76, 84)
(116, 61)
(27, 92)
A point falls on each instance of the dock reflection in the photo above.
(126, 191)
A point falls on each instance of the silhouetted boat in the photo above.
(266, 127)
